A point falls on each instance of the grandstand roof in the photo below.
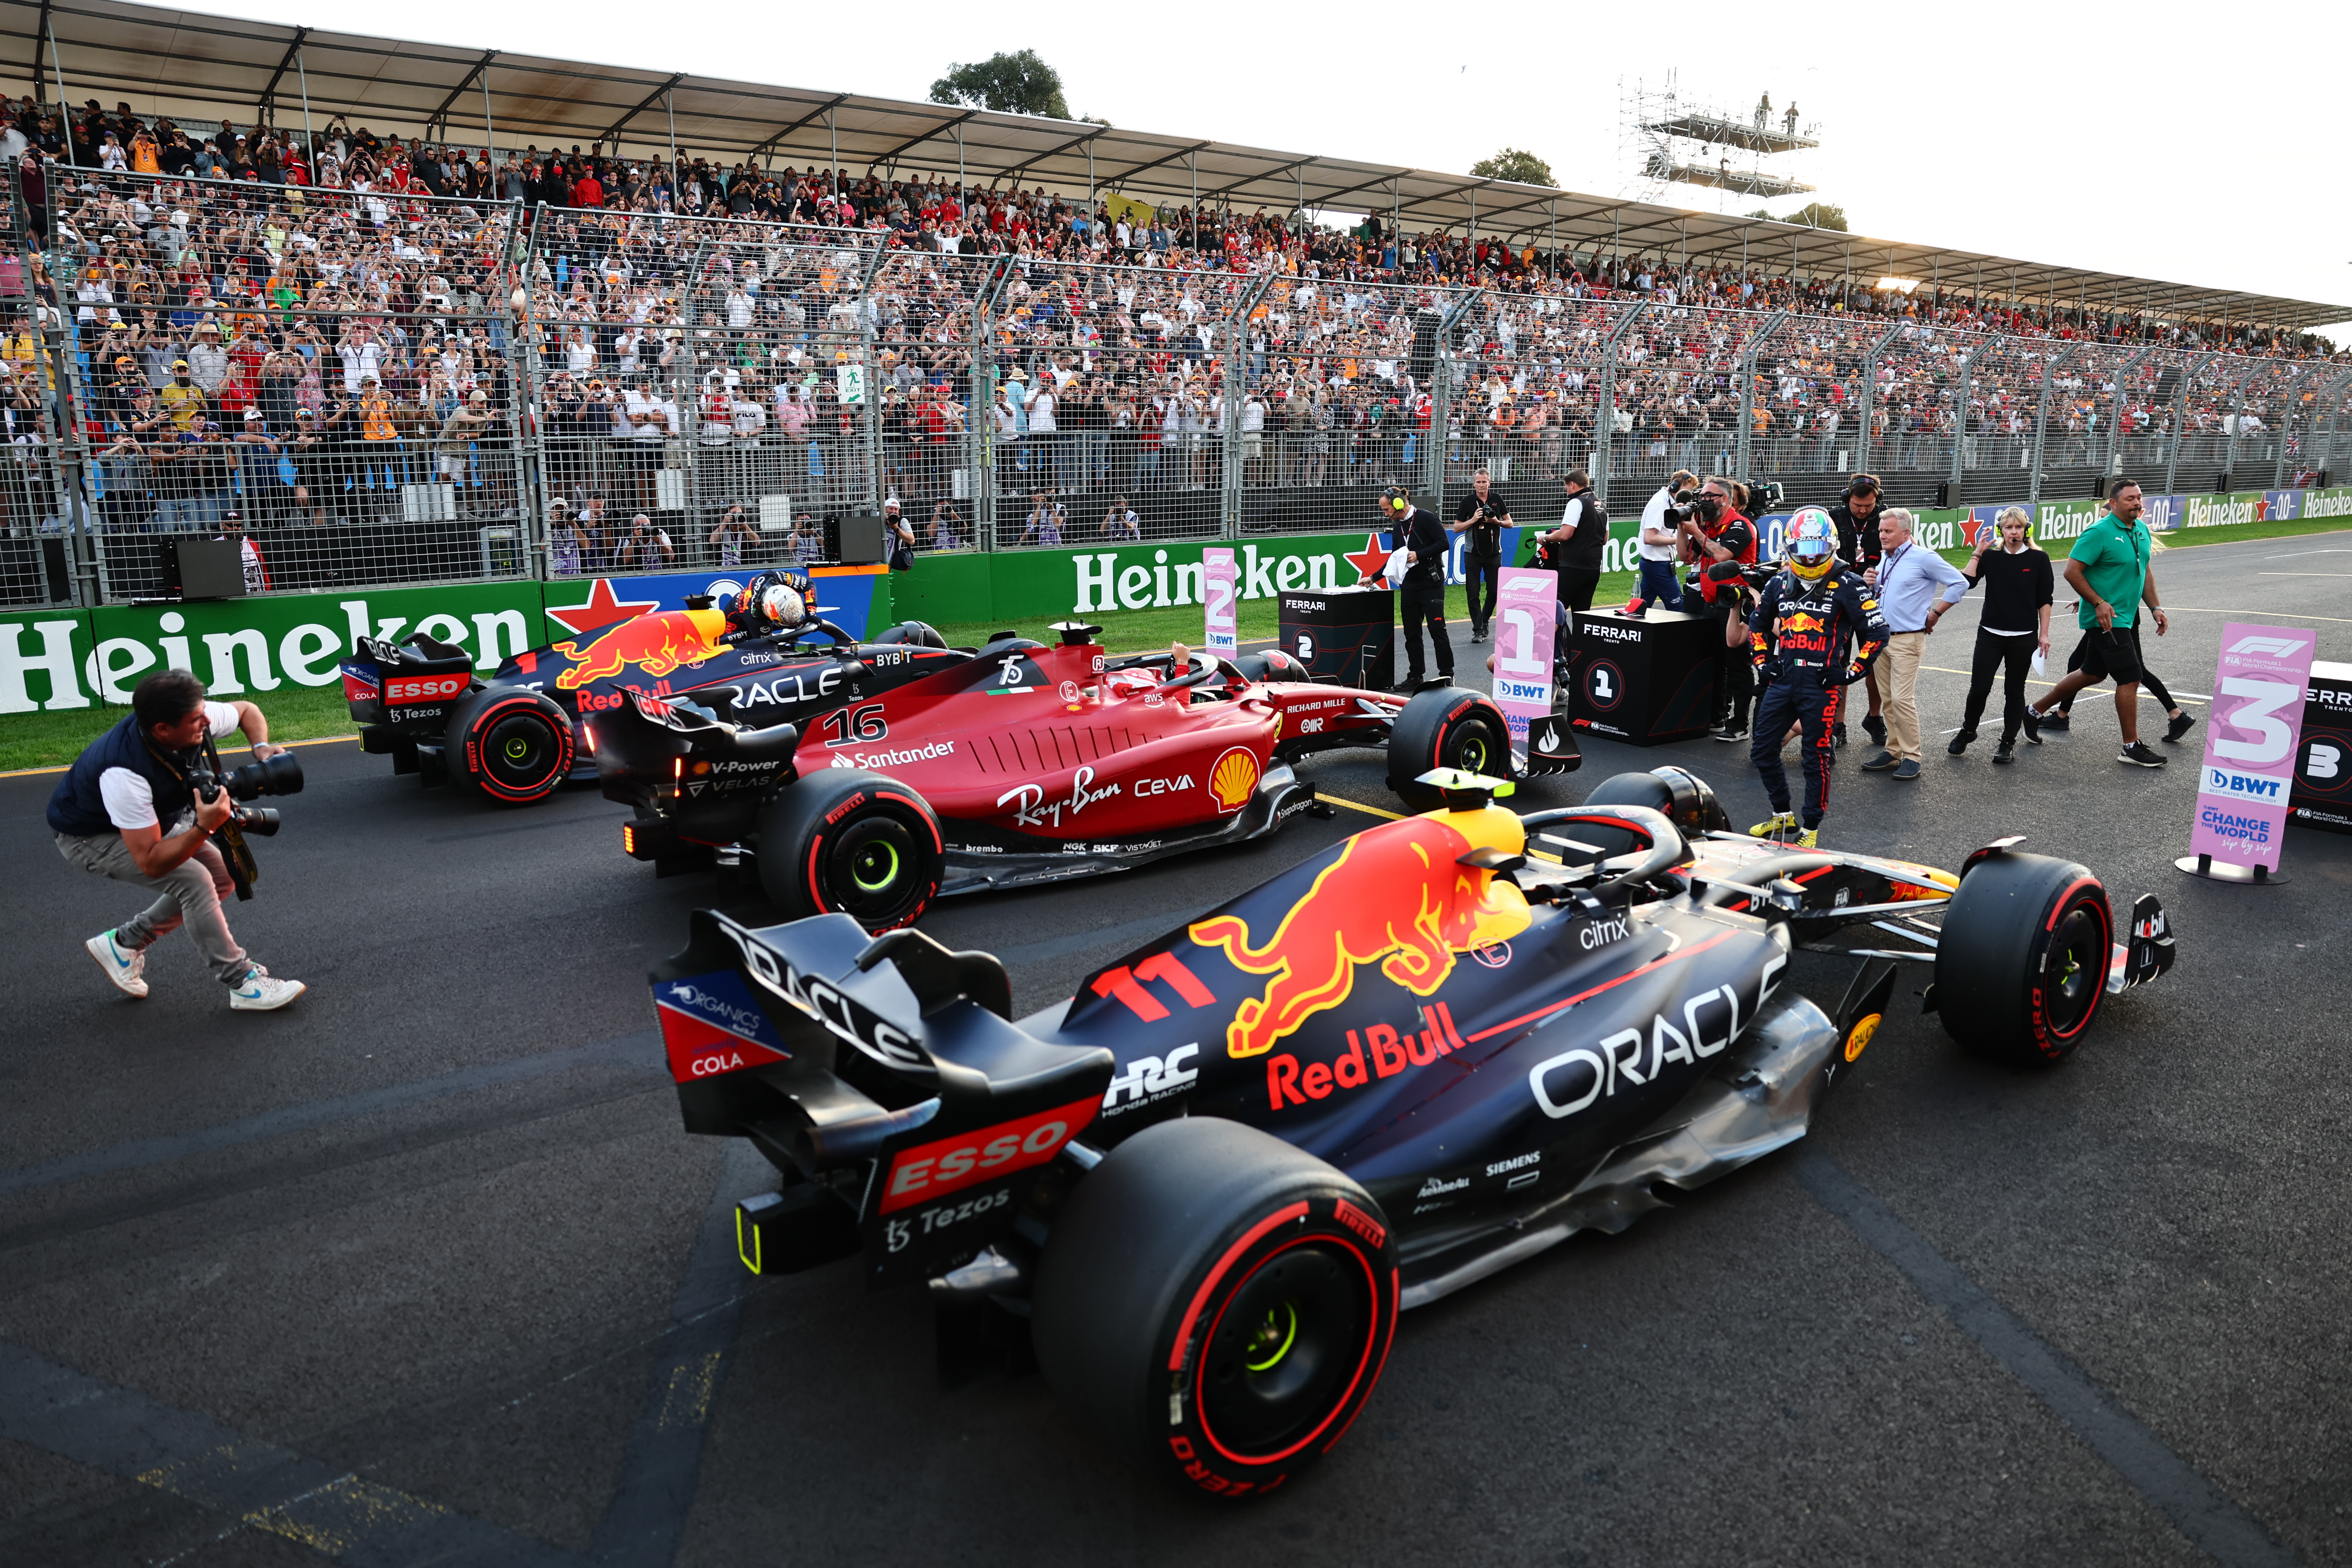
(189, 64)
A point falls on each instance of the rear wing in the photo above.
(911, 1119)
(392, 683)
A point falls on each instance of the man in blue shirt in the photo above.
(1915, 586)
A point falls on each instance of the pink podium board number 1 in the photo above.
(2257, 721)
(1219, 601)
(1523, 650)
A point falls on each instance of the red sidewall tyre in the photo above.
(1219, 1301)
(515, 747)
(1445, 728)
(2022, 965)
(849, 842)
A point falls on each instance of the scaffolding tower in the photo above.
(1664, 138)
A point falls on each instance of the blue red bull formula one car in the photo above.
(1211, 1179)
(521, 735)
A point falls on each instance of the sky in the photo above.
(2166, 142)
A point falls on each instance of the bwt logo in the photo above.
(2281, 647)
(2256, 788)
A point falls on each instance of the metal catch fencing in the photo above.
(381, 387)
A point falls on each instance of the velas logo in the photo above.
(1395, 896)
(1234, 779)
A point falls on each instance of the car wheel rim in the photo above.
(1282, 1353)
(875, 872)
(2075, 970)
(520, 755)
(1473, 755)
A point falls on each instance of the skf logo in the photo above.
(949, 1164)
(2281, 647)
(1148, 1078)
(425, 687)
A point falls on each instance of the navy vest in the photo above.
(78, 809)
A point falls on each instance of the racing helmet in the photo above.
(1810, 545)
(776, 601)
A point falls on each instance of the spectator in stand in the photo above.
(2012, 630)
(645, 549)
(733, 536)
(1046, 518)
(1121, 522)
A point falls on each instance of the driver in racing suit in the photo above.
(770, 601)
(1799, 634)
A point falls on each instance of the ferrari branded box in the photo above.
(1645, 680)
(1346, 637)
(2322, 797)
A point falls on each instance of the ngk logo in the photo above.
(424, 687)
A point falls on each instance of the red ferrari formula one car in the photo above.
(1010, 765)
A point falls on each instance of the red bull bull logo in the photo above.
(656, 644)
(1395, 897)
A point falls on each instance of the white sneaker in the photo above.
(260, 993)
(121, 966)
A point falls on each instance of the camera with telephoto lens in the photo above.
(280, 775)
(1684, 507)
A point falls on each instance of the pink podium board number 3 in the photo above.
(2257, 721)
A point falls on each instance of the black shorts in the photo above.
(2111, 655)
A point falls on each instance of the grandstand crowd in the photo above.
(307, 330)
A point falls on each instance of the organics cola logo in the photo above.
(735, 1019)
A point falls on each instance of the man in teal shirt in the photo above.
(2108, 569)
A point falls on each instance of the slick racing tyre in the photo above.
(2022, 965)
(1445, 728)
(1218, 1301)
(514, 747)
(1683, 797)
(843, 841)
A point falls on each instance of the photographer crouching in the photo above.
(156, 768)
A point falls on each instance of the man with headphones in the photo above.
(1856, 518)
(1421, 596)
(1720, 532)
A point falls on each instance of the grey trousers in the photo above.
(192, 893)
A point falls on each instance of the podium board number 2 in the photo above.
(1307, 648)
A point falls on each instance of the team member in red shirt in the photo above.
(1718, 530)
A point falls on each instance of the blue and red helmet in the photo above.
(1810, 547)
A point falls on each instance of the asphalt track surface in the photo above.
(422, 1269)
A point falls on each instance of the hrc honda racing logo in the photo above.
(1149, 1079)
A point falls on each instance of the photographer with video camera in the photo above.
(147, 804)
(1663, 517)
(1719, 532)
(1482, 516)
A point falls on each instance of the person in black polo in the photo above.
(1856, 520)
(126, 810)
(1719, 531)
(1482, 516)
(1421, 597)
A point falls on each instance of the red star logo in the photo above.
(1368, 562)
(2263, 511)
(602, 609)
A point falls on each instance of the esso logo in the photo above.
(935, 1169)
(424, 687)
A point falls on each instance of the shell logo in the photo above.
(1234, 779)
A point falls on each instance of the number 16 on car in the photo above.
(1523, 650)
(2241, 790)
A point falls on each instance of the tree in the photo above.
(1511, 163)
(1010, 84)
(1812, 214)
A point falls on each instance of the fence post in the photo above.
(1748, 391)
(531, 424)
(981, 429)
(1441, 407)
(2335, 414)
(1961, 406)
(2179, 424)
(2286, 428)
(2051, 365)
(2237, 423)
(61, 377)
(1870, 398)
(80, 571)
(869, 345)
(1604, 425)
(1236, 335)
(2107, 467)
